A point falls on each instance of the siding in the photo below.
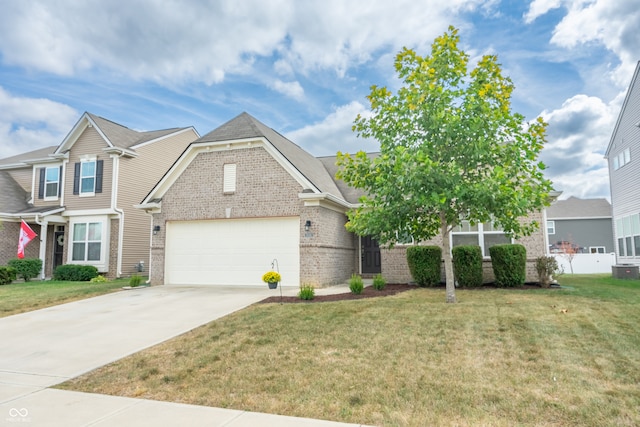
(89, 143)
(584, 232)
(137, 177)
(625, 182)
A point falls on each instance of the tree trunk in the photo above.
(448, 263)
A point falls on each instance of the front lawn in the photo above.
(498, 357)
(20, 297)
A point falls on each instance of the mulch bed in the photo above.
(370, 292)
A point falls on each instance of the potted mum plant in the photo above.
(271, 278)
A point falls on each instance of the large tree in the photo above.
(451, 149)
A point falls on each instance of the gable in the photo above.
(627, 129)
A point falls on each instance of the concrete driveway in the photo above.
(46, 347)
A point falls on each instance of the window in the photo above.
(628, 235)
(551, 227)
(621, 159)
(52, 179)
(87, 241)
(484, 235)
(229, 179)
(596, 249)
(87, 178)
(403, 238)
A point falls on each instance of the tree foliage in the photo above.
(451, 149)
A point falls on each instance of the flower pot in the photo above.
(273, 285)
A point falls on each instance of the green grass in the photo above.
(567, 357)
(20, 297)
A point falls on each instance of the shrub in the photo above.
(99, 279)
(75, 272)
(7, 275)
(378, 282)
(509, 263)
(26, 268)
(356, 285)
(547, 268)
(135, 281)
(467, 265)
(307, 292)
(425, 264)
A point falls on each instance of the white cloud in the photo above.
(578, 135)
(203, 41)
(334, 133)
(290, 89)
(32, 123)
(613, 24)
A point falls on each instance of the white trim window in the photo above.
(51, 183)
(628, 235)
(88, 177)
(89, 242)
(596, 249)
(551, 227)
(484, 235)
(622, 159)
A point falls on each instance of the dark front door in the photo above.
(58, 248)
(370, 252)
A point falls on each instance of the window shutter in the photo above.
(99, 167)
(43, 171)
(76, 178)
(229, 184)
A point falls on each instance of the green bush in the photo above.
(99, 279)
(425, 264)
(356, 285)
(307, 292)
(378, 282)
(7, 275)
(26, 268)
(467, 265)
(509, 264)
(135, 281)
(75, 272)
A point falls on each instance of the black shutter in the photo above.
(76, 178)
(60, 182)
(99, 166)
(41, 186)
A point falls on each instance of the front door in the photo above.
(58, 248)
(370, 253)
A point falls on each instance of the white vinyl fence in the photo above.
(586, 263)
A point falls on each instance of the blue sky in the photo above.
(305, 67)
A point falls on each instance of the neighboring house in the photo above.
(79, 196)
(623, 156)
(243, 199)
(583, 224)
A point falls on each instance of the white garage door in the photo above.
(232, 252)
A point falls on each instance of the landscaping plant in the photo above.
(509, 263)
(379, 282)
(307, 292)
(135, 281)
(7, 275)
(356, 285)
(75, 272)
(26, 268)
(425, 264)
(467, 265)
(547, 269)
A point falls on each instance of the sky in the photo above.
(305, 67)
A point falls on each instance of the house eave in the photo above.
(124, 152)
(325, 200)
(149, 208)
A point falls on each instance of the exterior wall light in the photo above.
(307, 225)
(156, 228)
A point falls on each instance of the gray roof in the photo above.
(13, 198)
(574, 207)
(246, 126)
(41, 153)
(123, 137)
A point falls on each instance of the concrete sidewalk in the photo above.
(46, 347)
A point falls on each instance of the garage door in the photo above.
(232, 252)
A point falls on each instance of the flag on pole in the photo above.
(26, 235)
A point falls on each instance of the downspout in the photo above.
(43, 244)
(114, 201)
